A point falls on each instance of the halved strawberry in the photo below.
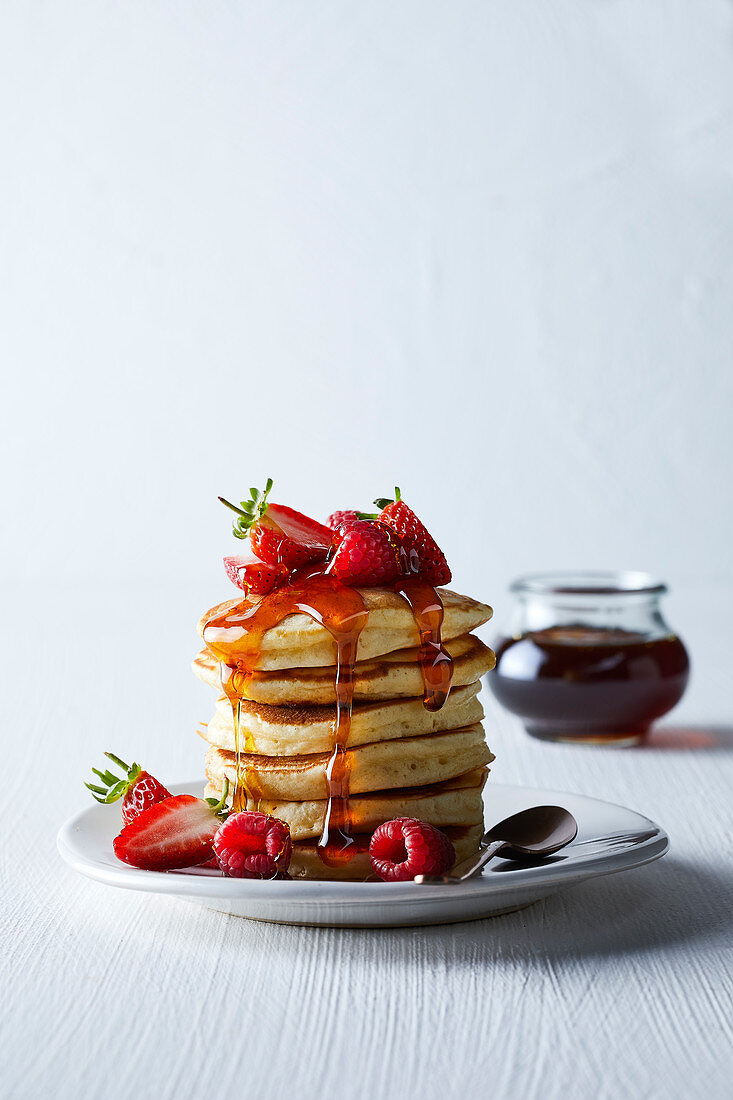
(286, 537)
(279, 535)
(415, 536)
(178, 832)
(138, 789)
(253, 576)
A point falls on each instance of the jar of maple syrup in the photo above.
(589, 658)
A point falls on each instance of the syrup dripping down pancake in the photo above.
(380, 766)
(298, 730)
(457, 801)
(298, 641)
(393, 675)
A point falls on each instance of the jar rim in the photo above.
(624, 582)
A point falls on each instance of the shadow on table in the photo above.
(669, 903)
(689, 738)
(646, 910)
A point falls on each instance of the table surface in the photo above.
(620, 987)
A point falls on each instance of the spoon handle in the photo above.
(469, 867)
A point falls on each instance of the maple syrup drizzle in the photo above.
(336, 845)
(436, 663)
(235, 639)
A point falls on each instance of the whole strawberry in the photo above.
(279, 535)
(138, 789)
(405, 847)
(177, 832)
(432, 566)
(366, 554)
(253, 845)
(340, 518)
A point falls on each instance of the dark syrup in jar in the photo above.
(581, 683)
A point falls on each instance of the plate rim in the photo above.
(307, 893)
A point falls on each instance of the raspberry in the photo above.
(345, 515)
(366, 554)
(253, 845)
(405, 847)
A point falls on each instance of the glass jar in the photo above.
(589, 657)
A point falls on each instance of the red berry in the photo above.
(178, 832)
(286, 537)
(253, 845)
(279, 535)
(145, 792)
(138, 789)
(366, 554)
(433, 567)
(253, 576)
(337, 519)
(405, 847)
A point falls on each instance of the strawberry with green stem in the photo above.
(431, 564)
(279, 535)
(137, 788)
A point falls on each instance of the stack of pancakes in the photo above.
(405, 761)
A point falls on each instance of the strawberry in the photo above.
(432, 567)
(337, 519)
(178, 832)
(138, 789)
(279, 535)
(253, 576)
(366, 554)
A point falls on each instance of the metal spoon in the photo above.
(539, 831)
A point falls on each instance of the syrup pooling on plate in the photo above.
(436, 663)
(235, 639)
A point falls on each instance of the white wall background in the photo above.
(480, 249)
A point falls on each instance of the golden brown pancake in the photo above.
(306, 863)
(394, 675)
(380, 766)
(300, 642)
(298, 730)
(458, 801)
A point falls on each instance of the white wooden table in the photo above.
(620, 988)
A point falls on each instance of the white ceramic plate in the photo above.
(610, 838)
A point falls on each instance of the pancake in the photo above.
(294, 730)
(394, 675)
(300, 642)
(455, 802)
(380, 766)
(306, 863)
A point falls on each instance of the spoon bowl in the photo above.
(529, 834)
(539, 831)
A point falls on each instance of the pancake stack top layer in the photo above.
(275, 734)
